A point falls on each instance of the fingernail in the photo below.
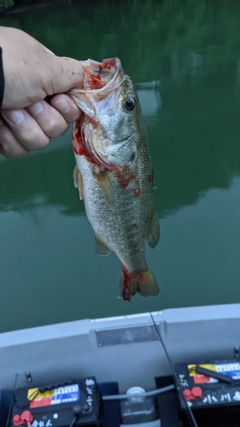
(14, 116)
(36, 108)
(62, 105)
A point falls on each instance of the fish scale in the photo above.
(114, 172)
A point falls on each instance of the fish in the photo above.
(113, 172)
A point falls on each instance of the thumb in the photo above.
(65, 74)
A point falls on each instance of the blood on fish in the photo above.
(108, 63)
(95, 82)
(78, 145)
(126, 274)
(125, 178)
(129, 281)
(126, 281)
(137, 192)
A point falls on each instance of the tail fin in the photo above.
(141, 281)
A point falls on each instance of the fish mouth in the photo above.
(100, 77)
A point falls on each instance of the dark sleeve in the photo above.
(1, 78)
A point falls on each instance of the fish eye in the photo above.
(129, 103)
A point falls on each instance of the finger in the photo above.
(25, 129)
(9, 146)
(64, 74)
(67, 107)
(48, 118)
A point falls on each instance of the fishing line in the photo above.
(178, 386)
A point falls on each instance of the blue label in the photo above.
(70, 393)
(230, 369)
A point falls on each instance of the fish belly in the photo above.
(120, 226)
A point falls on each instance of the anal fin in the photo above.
(100, 247)
(154, 230)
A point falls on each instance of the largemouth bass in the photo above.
(114, 172)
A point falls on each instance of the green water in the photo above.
(184, 57)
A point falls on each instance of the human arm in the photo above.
(31, 73)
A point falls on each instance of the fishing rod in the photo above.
(178, 386)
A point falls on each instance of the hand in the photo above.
(32, 72)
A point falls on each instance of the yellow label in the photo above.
(192, 372)
(34, 393)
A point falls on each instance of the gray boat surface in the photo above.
(126, 349)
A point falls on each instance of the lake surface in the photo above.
(184, 57)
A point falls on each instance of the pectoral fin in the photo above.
(106, 187)
(100, 247)
(78, 182)
(154, 230)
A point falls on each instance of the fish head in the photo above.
(112, 121)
